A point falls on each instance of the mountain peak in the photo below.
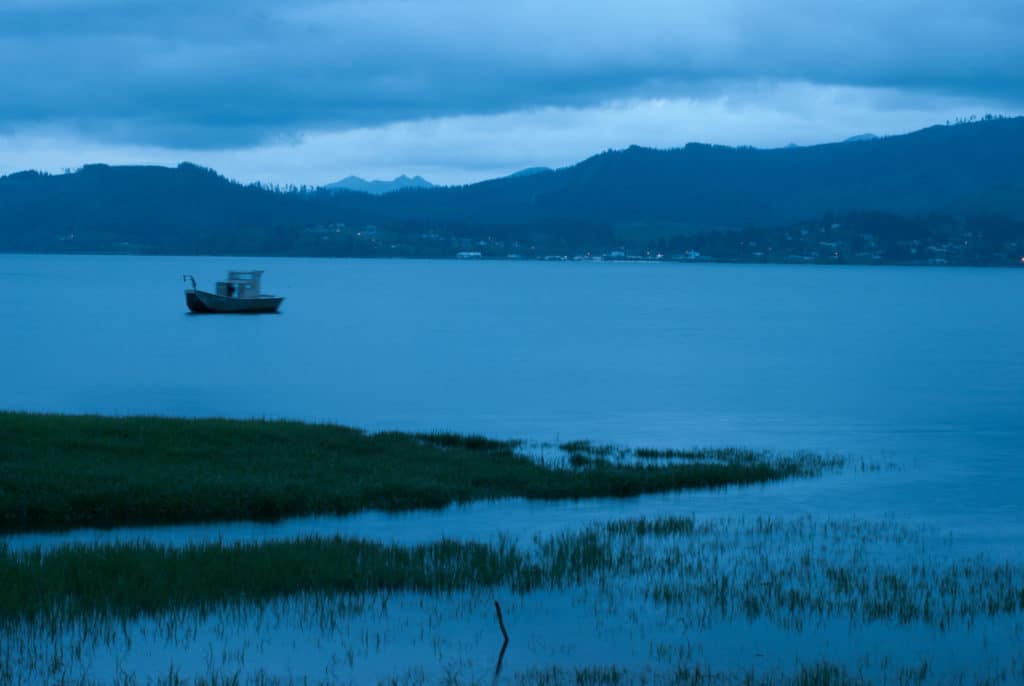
(377, 187)
(860, 138)
(531, 171)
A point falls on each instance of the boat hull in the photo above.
(202, 302)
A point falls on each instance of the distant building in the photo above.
(468, 255)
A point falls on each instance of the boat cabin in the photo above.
(240, 285)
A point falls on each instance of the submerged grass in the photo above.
(790, 573)
(820, 674)
(59, 471)
(677, 583)
(583, 452)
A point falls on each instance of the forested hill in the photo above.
(960, 169)
(159, 209)
(627, 197)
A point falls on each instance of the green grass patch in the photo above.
(128, 580)
(789, 572)
(59, 471)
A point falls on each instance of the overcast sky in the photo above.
(309, 91)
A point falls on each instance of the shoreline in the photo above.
(547, 258)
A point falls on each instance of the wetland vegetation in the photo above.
(663, 595)
(60, 471)
(786, 571)
(666, 600)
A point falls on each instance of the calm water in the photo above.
(611, 618)
(920, 368)
(917, 372)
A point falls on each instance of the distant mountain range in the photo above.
(960, 169)
(622, 197)
(355, 183)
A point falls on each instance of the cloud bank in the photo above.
(410, 86)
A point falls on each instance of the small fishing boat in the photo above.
(237, 294)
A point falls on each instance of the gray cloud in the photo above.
(196, 75)
(469, 148)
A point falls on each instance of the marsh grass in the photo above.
(144, 579)
(668, 454)
(583, 453)
(60, 471)
(820, 674)
(798, 571)
(666, 588)
(789, 572)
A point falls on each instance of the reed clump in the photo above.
(60, 471)
(129, 580)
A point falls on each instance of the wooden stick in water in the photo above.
(501, 655)
(501, 621)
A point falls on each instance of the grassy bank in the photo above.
(61, 471)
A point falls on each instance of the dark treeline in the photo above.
(944, 184)
(193, 210)
(186, 209)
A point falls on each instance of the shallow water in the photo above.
(458, 635)
(613, 618)
(522, 519)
